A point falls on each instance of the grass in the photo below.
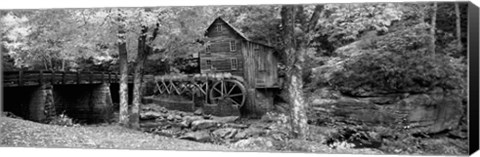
(21, 133)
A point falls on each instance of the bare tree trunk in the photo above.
(45, 63)
(143, 50)
(432, 28)
(122, 53)
(295, 55)
(298, 112)
(459, 29)
(137, 81)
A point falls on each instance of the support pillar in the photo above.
(41, 106)
(101, 103)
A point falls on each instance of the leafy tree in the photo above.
(399, 62)
(345, 23)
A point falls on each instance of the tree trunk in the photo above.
(137, 81)
(298, 112)
(295, 55)
(122, 53)
(432, 28)
(459, 29)
(45, 64)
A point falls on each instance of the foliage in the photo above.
(346, 23)
(397, 63)
(62, 120)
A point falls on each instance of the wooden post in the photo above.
(116, 77)
(63, 77)
(102, 78)
(78, 77)
(20, 78)
(52, 78)
(40, 78)
(90, 77)
(109, 77)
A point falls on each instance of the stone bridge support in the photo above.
(42, 106)
(89, 103)
(84, 102)
(30, 102)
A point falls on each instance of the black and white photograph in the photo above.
(373, 78)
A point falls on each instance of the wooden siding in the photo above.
(266, 71)
(256, 62)
(221, 65)
(220, 53)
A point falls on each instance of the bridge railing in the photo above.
(26, 78)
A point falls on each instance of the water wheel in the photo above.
(230, 90)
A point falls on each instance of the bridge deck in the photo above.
(32, 78)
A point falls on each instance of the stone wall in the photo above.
(264, 101)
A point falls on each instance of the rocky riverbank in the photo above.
(269, 133)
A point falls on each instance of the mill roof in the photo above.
(236, 31)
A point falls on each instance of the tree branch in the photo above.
(315, 17)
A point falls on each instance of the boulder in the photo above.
(225, 132)
(325, 72)
(354, 111)
(150, 115)
(198, 111)
(204, 124)
(170, 117)
(235, 125)
(227, 119)
(185, 124)
(431, 113)
(199, 136)
(250, 132)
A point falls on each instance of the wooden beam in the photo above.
(109, 77)
(63, 77)
(90, 77)
(40, 77)
(78, 77)
(52, 78)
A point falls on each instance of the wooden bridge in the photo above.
(40, 95)
(33, 78)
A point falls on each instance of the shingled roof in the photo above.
(238, 32)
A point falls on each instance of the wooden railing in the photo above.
(29, 78)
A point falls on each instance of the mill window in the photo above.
(207, 49)
(219, 28)
(208, 63)
(233, 46)
(234, 63)
(256, 48)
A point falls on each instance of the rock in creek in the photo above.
(150, 115)
(199, 136)
(225, 133)
(204, 124)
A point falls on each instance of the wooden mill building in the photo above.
(229, 50)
